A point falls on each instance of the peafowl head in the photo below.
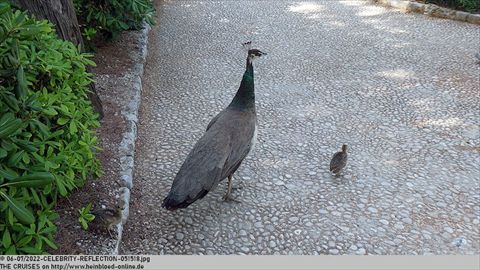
(252, 53)
(121, 205)
(344, 148)
(255, 53)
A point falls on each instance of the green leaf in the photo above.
(50, 229)
(11, 102)
(24, 241)
(44, 130)
(38, 158)
(10, 128)
(50, 111)
(22, 213)
(36, 179)
(7, 145)
(3, 153)
(61, 187)
(6, 239)
(38, 242)
(17, 227)
(62, 121)
(4, 7)
(84, 223)
(31, 250)
(88, 208)
(21, 88)
(36, 199)
(7, 117)
(19, 18)
(123, 25)
(26, 158)
(73, 127)
(11, 250)
(15, 158)
(28, 146)
(47, 190)
(8, 173)
(10, 217)
(48, 242)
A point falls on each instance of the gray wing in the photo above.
(214, 119)
(242, 128)
(215, 156)
(202, 168)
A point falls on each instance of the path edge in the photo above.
(127, 145)
(431, 10)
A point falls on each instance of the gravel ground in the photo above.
(402, 90)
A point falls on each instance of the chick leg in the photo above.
(109, 230)
(228, 196)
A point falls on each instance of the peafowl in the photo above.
(228, 139)
(106, 219)
(339, 161)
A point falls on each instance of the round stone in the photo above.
(448, 229)
(361, 251)
(293, 219)
(245, 249)
(459, 242)
(179, 236)
(407, 220)
(188, 220)
(333, 251)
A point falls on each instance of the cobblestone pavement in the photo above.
(402, 90)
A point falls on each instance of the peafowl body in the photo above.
(339, 161)
(106, 219)
(229, 137)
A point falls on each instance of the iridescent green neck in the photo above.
(245, 97)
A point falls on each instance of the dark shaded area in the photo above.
(465, 5)
(60, 13)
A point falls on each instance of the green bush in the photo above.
(47, 142)
(110, 17)
(467, 5)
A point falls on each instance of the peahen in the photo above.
(339, 161)
(228, 139)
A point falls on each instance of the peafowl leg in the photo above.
(228, 197)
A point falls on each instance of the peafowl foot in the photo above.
(229, 198)
(237, 188)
